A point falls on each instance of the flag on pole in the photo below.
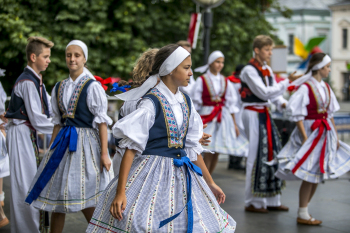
(194, 29)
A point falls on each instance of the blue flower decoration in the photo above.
(116, 87)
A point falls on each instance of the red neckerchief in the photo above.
(233, 78)
(257, 64)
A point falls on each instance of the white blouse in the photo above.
(231, 102)
(96, 101)
(134, 128)
(3, 97)
(296, 108)
(273, 93)
(28, 92)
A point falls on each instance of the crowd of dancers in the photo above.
(170, 132)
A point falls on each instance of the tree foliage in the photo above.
(118, 31)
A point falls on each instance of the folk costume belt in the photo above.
(321, 125)
(185, 161)
(217, 111)
(268, 128)
(67, 137)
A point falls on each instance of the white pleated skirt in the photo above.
(78, 181)
(336, 161)
(156, 190)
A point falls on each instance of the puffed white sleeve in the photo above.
(197, 94)
(55, 114)
(195, 132)
(133, 129)
(296, 107)
(231, 97)
(333, 106)
(97, 103)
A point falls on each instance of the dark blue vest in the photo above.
(252, 98)
(165, 138)
(17, 109)
(78, 114)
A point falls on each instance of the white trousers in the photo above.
(251, 126)
(24, 218)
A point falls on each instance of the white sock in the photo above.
(2, 196)
(303, 213)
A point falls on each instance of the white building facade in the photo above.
(341, 49)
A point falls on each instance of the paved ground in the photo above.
(331, 204)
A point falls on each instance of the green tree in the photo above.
(118, 31)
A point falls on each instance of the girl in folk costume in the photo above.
(215, 99)
(141, 70)
(313, 152)
(4, 158)
(71, 176)
(157, 180)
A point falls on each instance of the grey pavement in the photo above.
(331, 204)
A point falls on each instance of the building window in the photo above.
(291, 44)
(345, 38)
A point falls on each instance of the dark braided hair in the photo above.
(160, 57)
(315, 59)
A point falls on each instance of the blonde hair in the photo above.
(36, 44)
(183, 43)
(261, 41)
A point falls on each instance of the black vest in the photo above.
(17, 109)
(249, 96)
(82, 117)
(161, 135)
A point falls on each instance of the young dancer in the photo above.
(28, 112)
(216, 101)
(313, 152)
(4, 158)
(72, 177)
(157, 179)
(259, 89)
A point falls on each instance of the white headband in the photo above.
(83, 46)
(170, 63)
(212, 57)
(326, 59)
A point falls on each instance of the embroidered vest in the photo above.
(165, 137)
(209, 96)
(247, 95)
(317, 108)
(16, 109)
(78, 113)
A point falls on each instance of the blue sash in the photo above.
(189, 165)
(67, 136)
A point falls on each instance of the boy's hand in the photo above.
(292, 77)
(105, 162)
(118, 206)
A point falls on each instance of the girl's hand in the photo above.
(105, 162)
(218, 193)
(204, 141)
(118, 206)
(237, 130)
(3, 118)
(304, 140)
(338, 144)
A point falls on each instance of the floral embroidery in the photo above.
(322, 106)
(213, 96)
(172, 187)
(73, 101)
(175, 136)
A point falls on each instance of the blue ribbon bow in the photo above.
(189, 165)
(116, 87)
(67, 136)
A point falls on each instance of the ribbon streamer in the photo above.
(189, 166)
(116, 87)
(103, 81)
(66, 138)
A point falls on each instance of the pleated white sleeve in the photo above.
(197, 94)
(134, 128)
(97, 103)
(333, 106)
(231, 98)
(56, 117)
(296, 107)
(28, 92)
(195, 132)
